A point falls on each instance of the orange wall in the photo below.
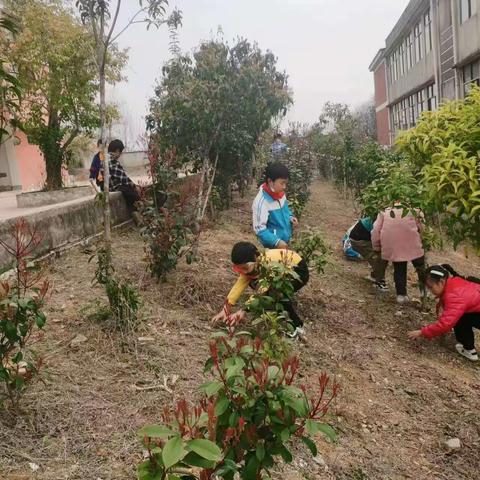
(30, 163)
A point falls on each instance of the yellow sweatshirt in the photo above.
(290, 258)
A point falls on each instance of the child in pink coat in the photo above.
(398, 238)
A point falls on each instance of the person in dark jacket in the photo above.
(96, 169)
(458, 306)
(360, 236)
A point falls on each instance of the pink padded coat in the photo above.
(459, 297)
(398, 238)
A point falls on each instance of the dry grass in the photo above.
(398, 404)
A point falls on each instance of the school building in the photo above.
(22, 166)
(431, 55)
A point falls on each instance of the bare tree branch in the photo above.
(130, 22)
(112, 26)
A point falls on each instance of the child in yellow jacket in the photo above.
(245, 259)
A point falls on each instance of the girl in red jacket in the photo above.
(459, 301)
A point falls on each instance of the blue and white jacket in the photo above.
(271, 219)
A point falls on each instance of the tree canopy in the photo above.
(53, 56)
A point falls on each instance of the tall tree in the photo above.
(211, 109)
(102, 18)
(53, 57)
(10, 92)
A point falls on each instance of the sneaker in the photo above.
(381, 286)
(298, 332)
(401, 299)
(472, 355)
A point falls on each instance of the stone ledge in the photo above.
(40, 199)
(66, 224)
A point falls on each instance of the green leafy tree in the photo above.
(213, 107)
(10, 91)
(101, 17)
(444, 149)
(52, 54)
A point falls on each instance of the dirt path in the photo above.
(399, 401)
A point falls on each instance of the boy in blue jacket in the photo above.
(272, 219)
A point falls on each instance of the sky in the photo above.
(325, 46)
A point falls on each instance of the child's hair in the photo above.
(437, 273)
(277, 170)
(244, 252)
(277, 136)
(115, 146)
(99, 142)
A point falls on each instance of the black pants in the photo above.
(302, 271)
(130, 194)
(464, 329)
(400, 274)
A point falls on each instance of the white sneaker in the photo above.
(401, 299)
(472, 355)
(298, 332)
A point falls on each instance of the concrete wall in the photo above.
(67, 224)
(9, 172)
(422, 73)
(134, 159)
(468, 39)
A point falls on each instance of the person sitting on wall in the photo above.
(120, 181)
(96, 169)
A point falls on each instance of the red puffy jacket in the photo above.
(459, 297)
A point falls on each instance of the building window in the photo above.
(419, 42)
(468, 8)
(405, 113)
(420, 103)
(427, 21)
(471, 76)
(410, 52)
(403, 59)
(431, 98)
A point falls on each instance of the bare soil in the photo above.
(399, 402)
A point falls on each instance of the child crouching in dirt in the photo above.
(245, 259)
(360, 240)
(459, 300)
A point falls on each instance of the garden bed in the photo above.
(398, 404)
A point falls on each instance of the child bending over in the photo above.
(245, 259)
(459, 301)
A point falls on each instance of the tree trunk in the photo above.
(209, 188)
(106, 169)
(52, 153)
(53, 167)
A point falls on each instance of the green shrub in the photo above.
(21, 302)
(251, 410)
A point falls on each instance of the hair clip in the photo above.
(437, 272)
